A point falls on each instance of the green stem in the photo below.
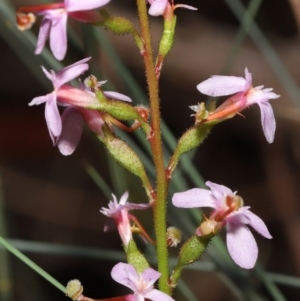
(156, 145)
(31, 264)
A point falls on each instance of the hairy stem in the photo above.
(156, 145)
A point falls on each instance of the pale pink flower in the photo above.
(74, 116)
(119, 212)
(230, 212)
(245, 96)
(58, 80)
(140, 283)
(54, 23)
(158, 7)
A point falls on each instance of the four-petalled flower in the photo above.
(58, 79)
(140, 283)
(245, 96)
(229, 211)
(54, 23)
(119, 212)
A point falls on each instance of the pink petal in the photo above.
(157, 295)
(86, 16)
(77, 97)
(241, 245)
(158, 7)
(193, 198)
(72, 126)
(133, 206)
(116, 95)
(38, 100)
(77, 5)
(43, 35)
(219, 85)
(217, 188)
(150, 276)
(52, 115)
(248, 77)
(267, 120)
(257, 224)
(71, 72)
(259, 95)
(125, 274)
(124, 198)
(49, 75)
(93, 119)
(58, 35)
(186, 6)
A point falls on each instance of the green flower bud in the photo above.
(74, 289)
(121, 25)
(167, 38)
(125, 156)
(136, 258)
(189, 253)
(189, 140)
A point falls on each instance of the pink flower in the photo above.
(140, 283)
(158, 7)
(54, 23)
(66, 131)
(119, 212)
(229, 211)
(245, 96)
(58, 79)
(75, 114)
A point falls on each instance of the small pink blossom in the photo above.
(159, 7)
(119, 212)
(58, 80)
(229, 211)
(82, 104)
(76, 113)
(140, 283)
(245, 96)
(54, 23)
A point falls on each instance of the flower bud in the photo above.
(173, 237)
(189, 140)
(167, 38)
(74, 289)
(136, 258)
(125, 156)
(121, 25)
(189, 253)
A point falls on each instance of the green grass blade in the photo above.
(31, 264)
(267, 50)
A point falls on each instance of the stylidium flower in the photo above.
(230, 212)
(58, 80)
(74, 116)
(158, 7)
(119, 212)
(140, 283)
(245, 96)
(54, 23)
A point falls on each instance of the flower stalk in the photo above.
(159, 205)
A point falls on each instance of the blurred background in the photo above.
(50, 203)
